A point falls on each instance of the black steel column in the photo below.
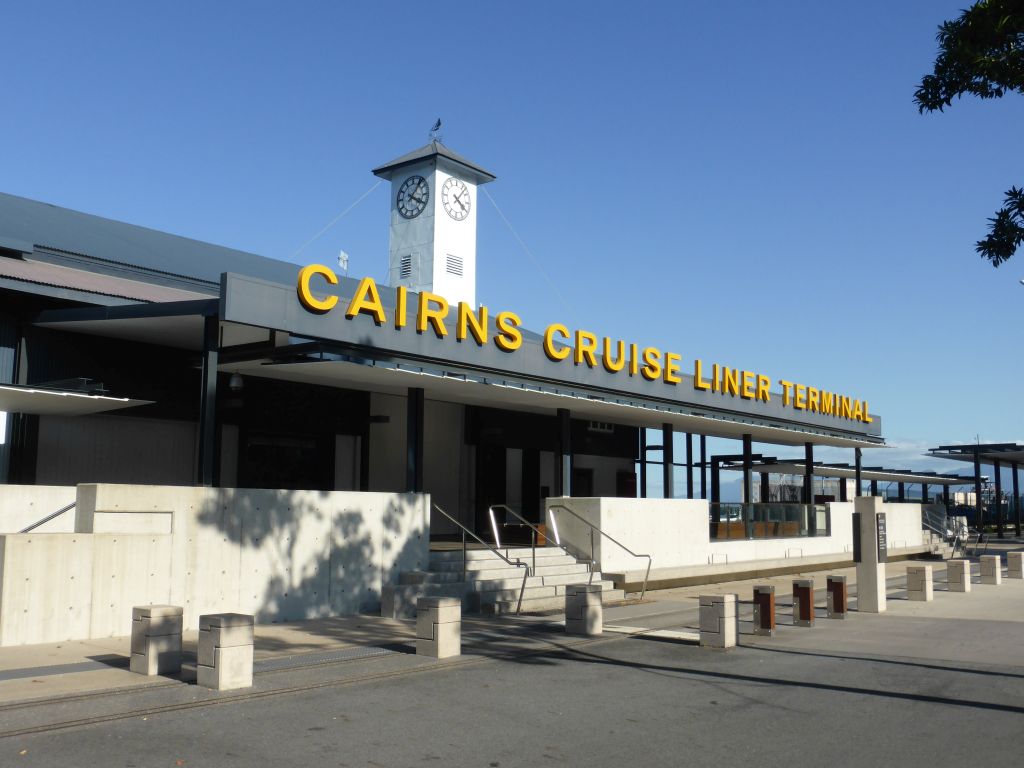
(924, 493)
(901, 492)
(945, 497)
(1016, 499)
(979, 508)
(842, 489)
(206, 464)
(874, 487)
(766, 488)
(857, 465)
(748, 474)
(715, 496)
(643, 462)
(808, 472)
(999, 499)
(564, 452)
(414, 440)
(703, 467)
(689, 465)
(668, 462)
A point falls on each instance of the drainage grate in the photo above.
(312, 659)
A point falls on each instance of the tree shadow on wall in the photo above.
(303, 555)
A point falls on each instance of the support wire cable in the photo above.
(554, 287)
(336, 219)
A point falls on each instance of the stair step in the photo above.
(488, 565)
(455, 555)
(546, 603)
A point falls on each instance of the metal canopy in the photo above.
(53, 402)
(773, 465)
(988, 453)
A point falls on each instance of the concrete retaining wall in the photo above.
(280, 555)
(675, 533)
(23, 505)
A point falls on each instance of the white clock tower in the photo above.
(433, 221)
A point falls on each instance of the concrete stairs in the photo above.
(490, 585)
(937, 546)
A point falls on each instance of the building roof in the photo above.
(429, 151)
(773, 466)
(988, 453)
(79, 240)
(28, 275)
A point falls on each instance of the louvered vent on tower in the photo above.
(454, 265)
(405, 267)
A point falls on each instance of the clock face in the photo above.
(455, 196)
(413, 196)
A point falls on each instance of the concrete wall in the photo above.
(672, 531)
(903, 525)
(675, 533)
(281, 555)
(22, 505)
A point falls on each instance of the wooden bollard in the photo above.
(836, 597)
(764, 610)
(803, 603)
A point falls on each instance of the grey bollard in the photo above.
(439, 627)
(718, 621)
(584, 614)
(225, 654)
(958, 575)
(156, 639)
(991, 570)
(1015, 565)
(919, 583)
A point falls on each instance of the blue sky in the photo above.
(745, 182)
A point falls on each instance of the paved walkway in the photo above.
(43, 687)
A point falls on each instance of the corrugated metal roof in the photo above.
(166, 256)
(39, 273)
(433, 149)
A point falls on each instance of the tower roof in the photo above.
(432, 150)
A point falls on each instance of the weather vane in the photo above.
(435, 132)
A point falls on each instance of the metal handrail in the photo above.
(517, 564)
(48, 518)
(535, 531)
(554, 525)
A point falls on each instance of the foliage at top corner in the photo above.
(981, 53)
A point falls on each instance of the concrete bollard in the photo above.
(225, 655)
(991, 570)
(919, 583)
(958, 575)
(718, 621)
(764, 610)
(803, 603)
(1015, 565)
(836, 597)
(156, 639)
(584, 614)
(439, 627)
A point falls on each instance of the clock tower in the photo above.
(433, 221)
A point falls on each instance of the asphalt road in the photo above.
(629, 702)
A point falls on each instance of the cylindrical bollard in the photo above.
(991, 570)
(1015, 565)
(836, 601)
(803, 603)
(919, 583)
(958, 575)
(718, 621)
(584, 614)
(764, 610)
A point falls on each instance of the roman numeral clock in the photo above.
(433, 221)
